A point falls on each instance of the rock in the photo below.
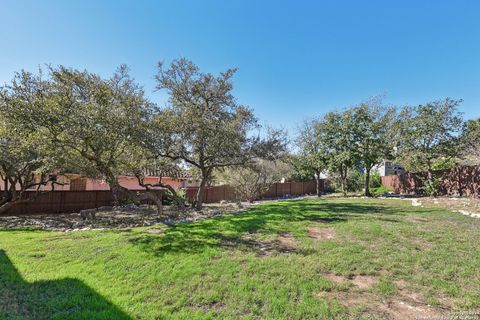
(215, 212)
(470, 214)
(118, 217)
(105, 208)
(88, 214)
(416, 203)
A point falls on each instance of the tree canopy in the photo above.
(27, 159)
(427, 135)
(93, 120)
(203, 125)
(372, 125)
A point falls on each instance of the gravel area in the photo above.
(116, 217)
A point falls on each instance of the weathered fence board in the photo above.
(277, 190)
(62, 202)
(73, 201)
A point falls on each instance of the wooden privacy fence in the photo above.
(63, 202)
(458, 181)
(67, 201)
(277, 190)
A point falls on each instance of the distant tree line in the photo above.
(421, 138)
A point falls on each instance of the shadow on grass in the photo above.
(273, 218)
(54, 299)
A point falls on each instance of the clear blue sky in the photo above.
(295, 58)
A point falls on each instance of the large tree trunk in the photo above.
(343, 176)
(317, 180)
(156, 197)
(429, 175)
(200, 192)
(344, 181)
(367, 182)
(430, 179)
(115, 188)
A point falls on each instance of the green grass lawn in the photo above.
(315, 259)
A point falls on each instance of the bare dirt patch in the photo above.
(402, 308)
(217, 306)
(250, 242)
(335, 278)
(155, 231)
(321, 233)
(364, 282)
(415, 297)
(421, 244)
(415, 219)
(286, 242)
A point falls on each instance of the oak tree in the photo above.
(203, 124)
(27, 158)
(428, 136)
(92, 120)
(372, 128)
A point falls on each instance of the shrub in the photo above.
(432, 187)
(375, 180)
(380, 190)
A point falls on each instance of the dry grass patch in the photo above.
(155, 231)
(415, 219)
(335, 278)
(364, 282)
(321, 233)
(421, 244)
(359, 304)
(286, 242)
(216, 306)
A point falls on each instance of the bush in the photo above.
(355, 181)
(329, 186)
(380, 190)
(168, 200)
(375, 180)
